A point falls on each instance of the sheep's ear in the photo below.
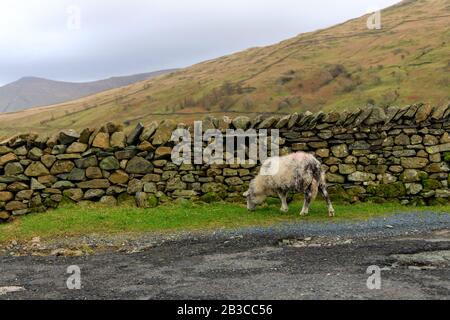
(245, 193)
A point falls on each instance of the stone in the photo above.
(9, 157)
(402, 140)
(36, 169)
(94, 184)
(411, 175)
(150, 187)
(109, 163)
(118, 140)
(359, 176)
(163, 152)
(24, 195)
(139, 165)
(334, 178)
(109, 201)
(175, 184)
(376, 116)
(133, 138)
(4, 215)
(438, 148)
(234, 181)
(190, 178)
(77, 147)
(442, 193)
(48, 160)
(322, 153)
(241, 122)
(94, 173)
(93, 194)
(77, 175)
(13, 168)
(413, 188)
(119, 177)
(391, 190)
(86, 162)
(299, 146)
(153, 201)
(101, 141)
(340, 151)
(35, 154)
(62, 166)
(152, 178)
(142, 200)
(36, 185)
(213, 187)
(430, 140)
(59, 149)
(6, 196)
(268, 123)
(437, 167)
(148, 131)
(386, 178)
(414, 162)
(16, 205)
(74, 194)
(4, 150)
(423, 113)
(85, 135)
(347, 168)
(63, 185)
(135, 186)
(68, 136)
(125, 154)
(164, 132)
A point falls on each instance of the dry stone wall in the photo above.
(373, 154)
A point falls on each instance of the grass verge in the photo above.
(75, 220)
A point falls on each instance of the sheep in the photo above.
(297, 172)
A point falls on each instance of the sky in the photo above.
(85, 40)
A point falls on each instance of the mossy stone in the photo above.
(210, 197)
(390, 190)
(431, 184)
(153, 201)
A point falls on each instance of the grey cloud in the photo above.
(125, 37)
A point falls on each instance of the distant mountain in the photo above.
(31, 92)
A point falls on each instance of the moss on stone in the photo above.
(390, 190)
(153, 201)
(447, 157)
(431, 184)
(338, 194)
(210, 197)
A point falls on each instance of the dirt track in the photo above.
(249, 265)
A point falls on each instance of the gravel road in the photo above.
(292, 261)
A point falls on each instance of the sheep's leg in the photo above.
(284, 205)
(307, 202)
(324, 192)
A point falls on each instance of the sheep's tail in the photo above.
(318, 179)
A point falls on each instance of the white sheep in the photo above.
(298, 173)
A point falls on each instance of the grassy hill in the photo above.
(343, 67)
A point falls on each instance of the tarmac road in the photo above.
(301, 261)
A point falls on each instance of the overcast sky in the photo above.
(81, 40)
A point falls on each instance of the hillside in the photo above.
(343, 67)
(30, 92)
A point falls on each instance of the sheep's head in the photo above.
(254, 195)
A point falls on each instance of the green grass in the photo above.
(74, 220)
